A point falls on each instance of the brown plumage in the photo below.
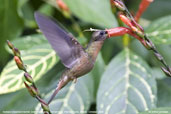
(77, 60)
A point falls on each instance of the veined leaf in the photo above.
(19, 100)
(159, 31)
(97, 12)
(38, 60)
(161, 110)
(73, 98)
(22, 100)
(28, 42)
(127, 86)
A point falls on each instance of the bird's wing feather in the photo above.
(65, 45)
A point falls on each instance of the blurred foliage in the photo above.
(116, 68)
(11, 25)
(127, 85)
(159, 31)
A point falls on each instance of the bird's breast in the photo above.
(83, 66)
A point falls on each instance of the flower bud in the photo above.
(149, 44)
(158, 56)
(167, 72)
(10, 45)
(119, 5)
(126, 20)
(45, 107)
(19, 63)
(132, 25)
(28, 77)
(138, 32)
(32, 90)
(16, 52)
(62, 5)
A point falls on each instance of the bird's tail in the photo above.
(60, 85)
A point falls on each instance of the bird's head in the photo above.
(99, 35)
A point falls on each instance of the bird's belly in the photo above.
(82, 68)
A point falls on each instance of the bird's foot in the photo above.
(74, 79)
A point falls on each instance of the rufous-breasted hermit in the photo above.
(77, 60)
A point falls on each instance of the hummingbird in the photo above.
(77, 60)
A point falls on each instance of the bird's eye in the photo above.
(101, 33)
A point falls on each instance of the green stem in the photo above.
(126, 40)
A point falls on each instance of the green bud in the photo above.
(119, 5)
(45, 107)
(149, 44)
(28, 77)
(19, 63)
(10, 45)
(32, 90)
(16, 52)
(139, 33)
(158, 56)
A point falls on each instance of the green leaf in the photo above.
(97, 72)
(111, 47)
(157, 9)
(26, 12)
(161, 110)
(139, 49)
(126, 86)
(38, 60)
(74, 97)
(164, 92)
(158, 73)
(97, 12)
(10, 24)
(22, 100)
(27, 42)
(52, 2)
(47, 9)
(159, 31)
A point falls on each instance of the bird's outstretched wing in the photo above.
(66, 46)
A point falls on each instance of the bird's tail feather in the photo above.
(60, 85)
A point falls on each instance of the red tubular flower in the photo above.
(142, 7)
(130, 24)
(119, 31)
(127, 21)
(62, 5)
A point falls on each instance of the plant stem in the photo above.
(126, 40)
